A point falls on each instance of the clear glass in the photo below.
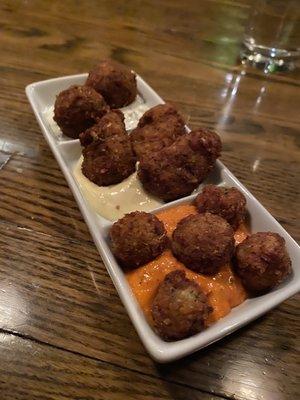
(272, 35)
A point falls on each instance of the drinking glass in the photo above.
(272, 35)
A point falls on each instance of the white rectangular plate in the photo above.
(41, 96)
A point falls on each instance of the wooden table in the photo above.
(64, 332)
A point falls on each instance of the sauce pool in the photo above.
(114, 201)
(224, 290)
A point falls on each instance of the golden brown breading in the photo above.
(262, 261)
(137, 238)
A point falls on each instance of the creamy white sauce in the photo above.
(132, 114)
(49, 113)
(134, 111)
(112, 202)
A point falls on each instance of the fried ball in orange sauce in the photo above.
(203, 242)
(228, 203)
(262, 262)
(179, 308)
(138, 238)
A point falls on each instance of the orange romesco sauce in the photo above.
(224, 290)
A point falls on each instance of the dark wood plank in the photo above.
(35, 195)
(51, 293)
(37, 372)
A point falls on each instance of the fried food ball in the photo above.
(115, 82)
(138, 238)
(203, 242)
(158, 128)
(77, 109)
(111, 124)
(110, 161)
(179, 308)
(151, 139)
(159, 113)
(177, 170)
(228, 203)
(262, 262)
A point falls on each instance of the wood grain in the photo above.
(35, 371)
(76, 339)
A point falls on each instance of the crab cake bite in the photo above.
(150, 139)
(115, 82)
(77, 109)
(158, 128)
(110, 161)
(228, 203)
(262, 261)
(179, 308)
(177, 170)
(111, 124)
(160, 113)
(138, 238)
(203, 242)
